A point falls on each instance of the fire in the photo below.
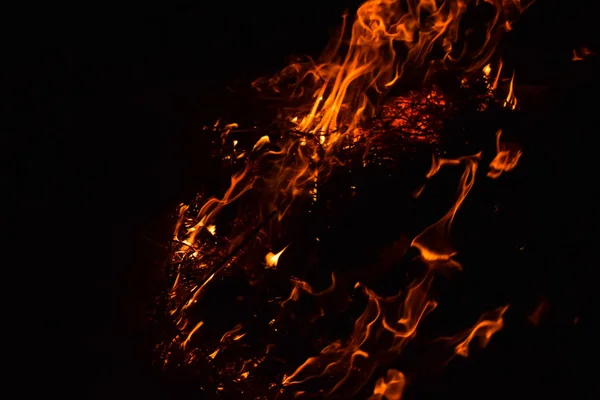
(488, 324)
(390, 387)
(581, 53)
(373, 61)
(300, 286)
(487, 70)
(511, 99)
(506, 159)
(212, 229)
(538, 313)
(339, 112)
(433, 242)
(272, 259)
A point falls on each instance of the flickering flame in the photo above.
(505, 160)
(212, 229)
(492, 84)
(487, 70)
(582, 53)
(389, 387)
(300, 286)
(189, 336)
(338, 95)
(540, 310)
(489, 323)
(372, 61)
(261, 142)
(272, 259)
(433, 241)
(232, 334)
(511, 99)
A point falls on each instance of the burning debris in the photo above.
(300, 311)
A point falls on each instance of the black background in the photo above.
(104, 104)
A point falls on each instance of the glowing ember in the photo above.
(283, 182)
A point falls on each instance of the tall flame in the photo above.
(389, 40)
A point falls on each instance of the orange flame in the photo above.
(389, 387)
(231, 333)
(489, 323)
(272, 259)
(189, 336)
(505, 160)
(300, 286)
(372, 62)
(511, 99)
(536, 316)
(355, 359)
(433, 241)
(582, 53)
(387, 38)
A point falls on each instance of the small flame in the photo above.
(212, 229)
(261, 142)
(536, 316)
(300, 286)
(231, 333)
(511, 99)
(433, 242)
(189, 336)
(582, 53)
(389, 387)
(272, 259)
(489, 323)
(487, 70)
(492, 85)
(505, 160)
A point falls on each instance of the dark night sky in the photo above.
(101, 100)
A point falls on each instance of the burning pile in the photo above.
(278, 289)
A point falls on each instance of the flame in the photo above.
(505, 160)
(299, 286)
(582, 53)
(261, 142)
(389, 387)
(341, 92)
(487, 70)
(212, 229)
(341, 358)
(511, 99)
(540, 310)
(489, 323)
(492, 85)
(372, 61)
(354, 360)
(433, 241)
(231, 333)
(189, 336)
(272, 259)
(389, 42)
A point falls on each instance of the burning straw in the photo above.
(257, 303)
